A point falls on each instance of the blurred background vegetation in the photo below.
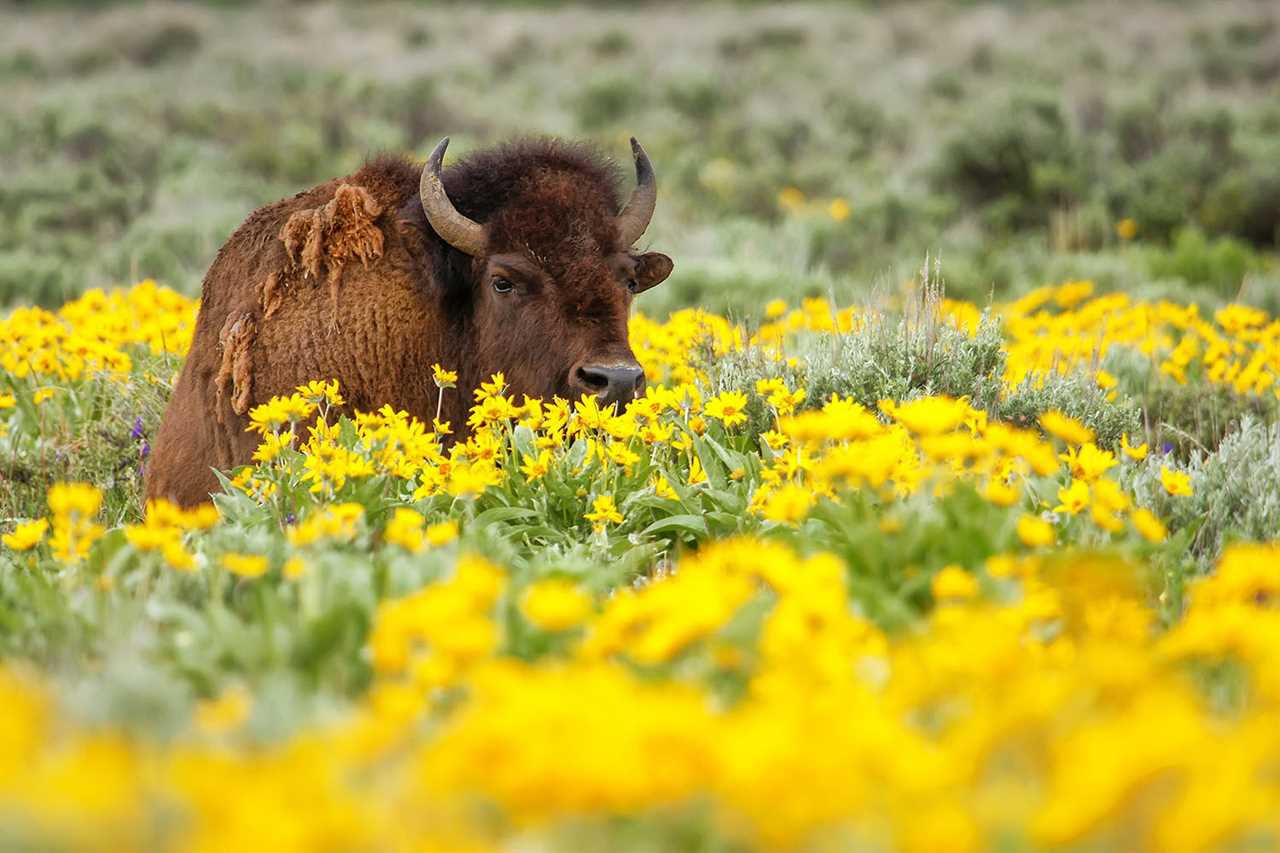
(802, 149)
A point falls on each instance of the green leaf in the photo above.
(504, 513)
(523, 439)
(689, 523)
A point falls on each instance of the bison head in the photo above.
(546, 278)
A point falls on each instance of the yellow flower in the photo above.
(620, 454)
(1105, 518)
(442, 533)
(224, 714)
(73, 540)
(1088, 462)
(1177, 483)
(603, 511)
(663, 489)
(272, 445)
(1000, 493)
(1035, 531)
(555, 605)
(8, 401)
(953, 583)
(839, 209)
(42, 394)
(1066, 428)
(294, 568)
(27, 535)
(727, 408)
(789, 504)
(177, 557)
(405, 529)
(774, 440)
(151, 537)
(491, 410)
(1146, 523)
(791, 199)
(71, 498)
(1139, 453)
(245, 565)
(317, 391)
(536, 468)
(1073, 498)
(470, 480)
(890, 524)
(444, 378)
(1110, 496)
(928, 415)
(697, 474)
(1126, 229)
(278, 411)
(492, 388)
(775, 308)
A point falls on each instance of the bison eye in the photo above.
(633, 286)
(502, 285)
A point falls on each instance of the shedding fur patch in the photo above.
(321, 241)
(235, 373)
(271, 293)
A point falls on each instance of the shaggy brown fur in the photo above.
(348, 281)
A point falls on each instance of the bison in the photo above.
(518, 259)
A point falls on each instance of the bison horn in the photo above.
(635, 216)
(463, 234)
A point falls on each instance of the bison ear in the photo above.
(652, 269)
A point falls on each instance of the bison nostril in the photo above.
(612, 383)
(593, 378)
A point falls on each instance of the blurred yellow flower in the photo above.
(1066, 428)
(294, 568)
(1073, 498)
(405, 529)
(245, 565)
(953, 583)
(1146, 523)
(74, 499)
(791, 199)
(26, 535)
(1139, 453)
(555, 604)
(442, 533)
(1034, 531)
(789, 504)
(1177, 483)
(224, 714)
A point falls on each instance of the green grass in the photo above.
(1009, 138)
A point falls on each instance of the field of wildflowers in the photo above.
(972, 601)
(871, 565)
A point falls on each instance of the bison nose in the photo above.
(612, 383)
